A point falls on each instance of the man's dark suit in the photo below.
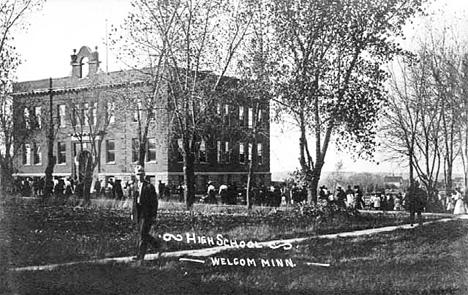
(145, 208)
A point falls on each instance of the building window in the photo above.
(180, 156)
(61, 153)
(241, 153)
(219, 152)
(93, 118)
(137, 114)
(249, 117)
(37, 154)
(76, 115)
(86, 114)
(26, 154)
(218, 108)
(249, 152)
(61, 115)
(259, 153)
(151, 150)
(241, 115)
(226, 114)
(27, 119)
(38, 115)
(135, 150)
(110, 110)
(202, 157)
(227, 153)
(259, 117)
(110, 151)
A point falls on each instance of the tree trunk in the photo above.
(250, 181)
(7, 181)
(313, 188)
(189, 175)
(48, 181)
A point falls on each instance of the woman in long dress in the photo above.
(460, 207)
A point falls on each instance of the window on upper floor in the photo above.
(86, 114)
(61, 153)
(93, 115)
(151, 150)
(249, 117)
(202, 155)
(26, 118)
(37, 154)
(110, 151)
(241, 153)
(241, 116)
(227, 153)
(110, 112)
(38, 116)
(219, 152)
(27, 154)
(226, 114)
(61, 113)
(180, 156)
(135, 150)
(259, 153)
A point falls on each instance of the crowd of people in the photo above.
(274, 195)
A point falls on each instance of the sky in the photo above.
(64, 25)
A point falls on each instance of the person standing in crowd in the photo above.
(416, 200)
(223, 190)
(323, 194)
(390, 202)
(340, 198)
(350, 198)
(460, 206)
(450, 200)
(118, 189)
(97, 187)
(398, 206)
(68, 188)
(211, 192)
(59, 187)
(358, 195)
(161, 186)
(375, 201)
(145, 209)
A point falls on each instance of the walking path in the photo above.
(214, 250)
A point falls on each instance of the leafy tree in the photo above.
(330, 75)
(13, 17)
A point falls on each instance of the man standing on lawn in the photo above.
(416, 200)
(145, 208)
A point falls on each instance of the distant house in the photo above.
(393, 182)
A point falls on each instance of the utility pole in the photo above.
(49, 182)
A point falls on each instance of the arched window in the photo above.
(84, 67)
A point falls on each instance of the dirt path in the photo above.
(214, 250)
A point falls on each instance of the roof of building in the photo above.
(99, 80)
(393, 179)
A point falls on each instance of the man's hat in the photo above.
(139, 170)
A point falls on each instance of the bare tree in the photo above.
(189, 46)
(13, 17)
(91, 115)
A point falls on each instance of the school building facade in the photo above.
(96, 95)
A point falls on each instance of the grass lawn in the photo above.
(427, 260)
